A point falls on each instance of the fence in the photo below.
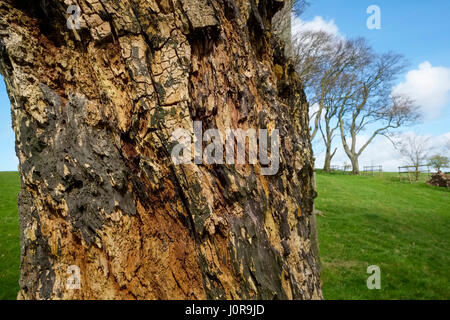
(367, 170)
(413, 173)
(345, 168)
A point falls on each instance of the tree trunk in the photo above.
(355, 164)
(417, 173)
(327, 163)
(102, 201)
(328, 157)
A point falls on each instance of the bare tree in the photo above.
(320, 59)
(373, 107)
(349, 88)
(327, 136)
(329, 124)
(335, 100)
(439, 161)
(312, 52)
(342, 77)
(415, 149)
(327, 64)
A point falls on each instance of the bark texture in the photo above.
(93, 111)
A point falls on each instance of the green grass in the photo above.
(401, 227)
(9, 235)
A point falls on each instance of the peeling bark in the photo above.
(93, 111)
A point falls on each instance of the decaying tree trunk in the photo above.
(93, 111)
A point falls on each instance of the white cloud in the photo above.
(429, 86)
(317, 24)
(379, 152)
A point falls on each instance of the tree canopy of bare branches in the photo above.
(350, 88)
(372, 107)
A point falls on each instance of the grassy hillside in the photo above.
(401, 227)
(9, 235)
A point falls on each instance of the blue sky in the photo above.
(416, 28)
(8, 160)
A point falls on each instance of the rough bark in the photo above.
(93, 111)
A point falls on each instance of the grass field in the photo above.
(401, 227)
(9, 235)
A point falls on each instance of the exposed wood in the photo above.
(94, 110)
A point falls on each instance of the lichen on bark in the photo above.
(93, 111)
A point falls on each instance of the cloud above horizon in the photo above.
(316, 24)
(429, 87)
